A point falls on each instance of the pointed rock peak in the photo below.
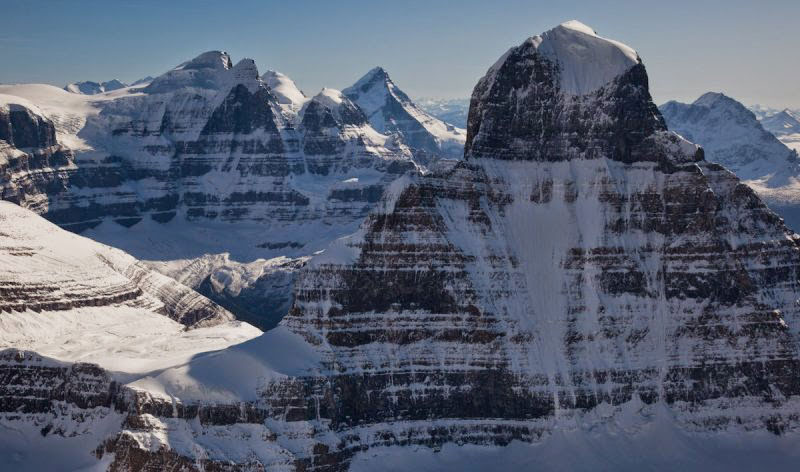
(284, 88)
(585, 60)
(378, 73)
(709, 99)
(519, 109)
(208, 60)
(376, 76)
(245, 69)
(113, 84)
(341, 108)
(143, 81)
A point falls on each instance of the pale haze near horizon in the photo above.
(430, 48)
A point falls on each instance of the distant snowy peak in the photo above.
(730, 133)
(212, 70)
(391, 111)
(284, 88)
(142, 81)
(453, 111)
(93, 88)
(342, 110)
(585, 60)
(781, 123)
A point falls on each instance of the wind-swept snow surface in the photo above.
(76, 300)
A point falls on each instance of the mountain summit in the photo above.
(782, 123)
(562, 95)
(391, 111)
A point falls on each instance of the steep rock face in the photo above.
(580, 270)
(390, 110)
(732, 136)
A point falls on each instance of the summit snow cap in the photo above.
(284, 88)
(585, 60)
(209, 70)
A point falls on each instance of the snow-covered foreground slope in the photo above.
(70, 298)
(585, 284)
(732, 136)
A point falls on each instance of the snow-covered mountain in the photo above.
(453, 111)
(785, 125)
(732, 136)
(93, 88)
(389, 110)
(584, 281)
(206, 167)
(781, 123)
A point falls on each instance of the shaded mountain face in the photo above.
(203, 152)
(391, 111)
(732, 136)
(586, 274)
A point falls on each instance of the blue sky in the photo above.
(437, 48)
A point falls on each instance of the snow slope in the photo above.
(73, 299)
(585, 60)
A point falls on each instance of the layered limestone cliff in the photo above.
(585, 269)
(584, 273)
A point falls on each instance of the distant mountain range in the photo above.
(169, 168)
(453, 111)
